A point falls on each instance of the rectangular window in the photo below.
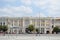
(3, 23)
(42, 30)
(27, 22)
(38, 22)
(0, 23)
(42, 22)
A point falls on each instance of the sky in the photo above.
(20, 8)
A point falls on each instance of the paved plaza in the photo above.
(30, 37)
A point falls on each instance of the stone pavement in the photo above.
(31, 37)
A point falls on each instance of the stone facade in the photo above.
(19, 24)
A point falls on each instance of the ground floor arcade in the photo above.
(17, 30)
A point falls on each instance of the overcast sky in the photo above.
(19, 8)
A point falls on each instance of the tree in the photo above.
(37, 30)
(31, 28)
(27, 30)
(55, 29)
(3, 28)
(0, 28)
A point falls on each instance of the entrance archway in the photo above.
(47, 32)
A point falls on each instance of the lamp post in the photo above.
(39, 24)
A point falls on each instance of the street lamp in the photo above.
(39, 24)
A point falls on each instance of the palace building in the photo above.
(19, 24)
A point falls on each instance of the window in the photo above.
(42, 22)
(0, 23)
(52, 26)
(12, 24)
(47, 22)
(38, 22)
(3, 23)
(27, 22)
(52, 21)
(42, 30)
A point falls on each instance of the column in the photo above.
(45, 23)
(30, 21)
(40, 22)
(23, 30)
(8, 30)
(18, 22)
(18, 31)
(13, 22)
(2, 23)
(45, 30)
(40, 25)
(51, 29)
(12, 30)
(5, 23)
(35, 23)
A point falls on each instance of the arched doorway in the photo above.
(47, 32)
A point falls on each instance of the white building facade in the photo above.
(19, 24)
